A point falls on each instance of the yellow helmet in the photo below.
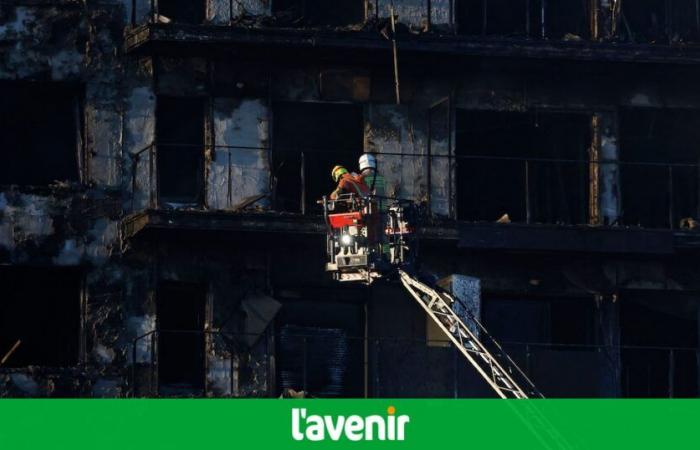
(337, 172)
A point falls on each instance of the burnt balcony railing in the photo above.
(232, 12)
(489, 188)
(328, 363)
(648, 22)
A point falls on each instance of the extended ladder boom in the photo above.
(494, 365)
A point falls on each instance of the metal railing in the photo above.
(328, 365)
(148, 11)
(529, 190)
(532, 19)
(144, 379)
(665, 22)
(670, 22)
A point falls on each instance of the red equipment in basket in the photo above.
(348, 219)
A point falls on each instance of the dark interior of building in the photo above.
(181, 311)
(513, 18)
(39, 133)
(319, 12)
(668, 324)
(505, 166)
(180, 135)
(655, 194)
(183, 11)
(494, 17)
(41, 310)
(327, 134)
(568, 20)
(558, 321)
(320, 343)
(555, 340)
(659, 21)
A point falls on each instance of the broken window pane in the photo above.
(180, 131)
(525, 165)
(40, 309)
(325, 135)
(658, 319)
(180, 314)
(39, 133)
(319, 12)
(183, 11)
(655, 194)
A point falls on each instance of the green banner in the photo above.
(341, 424)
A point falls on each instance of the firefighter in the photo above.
(347, 184)
(370, 177)
(376, 186)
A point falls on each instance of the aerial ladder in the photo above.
(374, 237)
(490, 361)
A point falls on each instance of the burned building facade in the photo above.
(162, 160)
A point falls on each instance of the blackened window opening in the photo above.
(319, 346)
(552, 338)
(319, 12)
(180, 134)
(662, 321)
(183, 11)
(659, 21)
(568, 20)
(181, 353)
(558, 321)
(309, 140)
(655, 194)
(495, 17)
(531, 166)
(39, 133)
(519, 18)
(41, 309)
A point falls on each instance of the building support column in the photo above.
(605, 198)
(603, 19)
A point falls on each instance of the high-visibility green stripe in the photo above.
(231, 424)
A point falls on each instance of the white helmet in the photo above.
(368, 161)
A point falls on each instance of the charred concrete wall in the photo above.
(72, 224)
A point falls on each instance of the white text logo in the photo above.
(355, 428)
